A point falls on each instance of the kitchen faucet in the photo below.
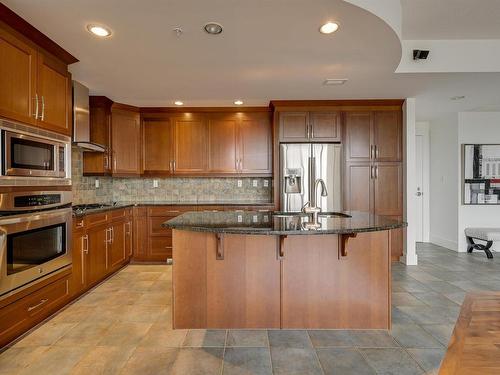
(324, 191)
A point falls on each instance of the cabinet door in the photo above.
(116, 250)
(54, 92)
(388, 189)
(294, 126)
(243, 289)
(358, 136)
(309, 282)
(190, 145)
(157, 146)
(17, 79)
(78, 275)
(125, 137)
(358, 191)
(222, 141)
(387, 135)
(140, 240)
(325, 126)
(99, 163)
(255, 145)
(97, 260)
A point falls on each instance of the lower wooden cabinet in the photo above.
(97, 257)
(19, 315)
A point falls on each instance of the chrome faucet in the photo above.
(324, 191)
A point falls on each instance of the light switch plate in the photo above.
(240, 219)
(97, 183)
(240, 183)
(255, 183)
(155, 183)
(255, 218)
(266, 183)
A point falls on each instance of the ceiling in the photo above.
(451, 19)
(270, 49)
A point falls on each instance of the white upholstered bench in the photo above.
(484, 234)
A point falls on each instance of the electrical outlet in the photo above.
(240, 219)
(240, 183)
(255, 183)
(266, 183)
(266, 218)
(155, 183)
(97, 183)
(255, 218)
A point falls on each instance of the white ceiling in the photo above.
(451, 19)
(270, 49)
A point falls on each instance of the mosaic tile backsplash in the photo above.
(169, 189)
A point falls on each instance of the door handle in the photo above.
(219, 255)
(419, 193)
(35, 115)
(85, 244)
(42, 117)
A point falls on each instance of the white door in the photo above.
(419, 174)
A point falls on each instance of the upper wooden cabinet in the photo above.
(125, 141)
(36, 86)
(373, 135)
(190, 144)
(99, 163)
(317, 126)
(207, 144)
(157, 156)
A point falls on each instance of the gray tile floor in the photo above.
(123, 327)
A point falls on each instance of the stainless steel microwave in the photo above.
(31, 156)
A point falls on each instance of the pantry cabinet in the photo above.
(36, 86)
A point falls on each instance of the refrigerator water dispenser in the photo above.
(293, 181)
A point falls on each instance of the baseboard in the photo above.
(452, 245)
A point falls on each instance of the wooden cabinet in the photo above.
(317, 126)
(18, 97)
(223, 145)
(157, 146)
(36, 86)
(358, 187)
(99, 163)
(19, 313)
(97, 257)
(79, 267)
(255, 144)
(323, 274)
(117, 251)
(54, 91)
(140, 236)
(373, 135)
(388, 189)
(125, 141)
(190, 145)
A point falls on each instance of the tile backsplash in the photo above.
(169, 189)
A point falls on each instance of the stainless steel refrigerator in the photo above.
(301, 164)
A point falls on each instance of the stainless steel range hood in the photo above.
(81, 120)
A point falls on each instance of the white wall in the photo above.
(476, 127)
(444, 182)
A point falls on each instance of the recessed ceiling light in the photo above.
(213, 28)
(101, 31)
(328, 28)
(178, 102)
(238, 102)
(334, 81)
(458, 97)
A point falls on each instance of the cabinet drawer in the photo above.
(26, 312)
(169, 210)
(155, 228)
(161, 247)
(96, 219)
(120, 213)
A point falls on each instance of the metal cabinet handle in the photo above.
(42, 302)
(312, 130)
(85, 244)
(280, 247)
(106, 162)
(35, 115)
(219, 254)
(80, 224)
(371, 172)
(376, 152)
(174, 165)
(376, 172)
(42, 117)
(114, 161)
(371, 152)
(170, 169)
(112, 231)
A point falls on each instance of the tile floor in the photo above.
(124, 327)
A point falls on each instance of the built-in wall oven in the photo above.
(35, 237)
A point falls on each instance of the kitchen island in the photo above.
(270, 270)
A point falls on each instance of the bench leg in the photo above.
(471, 245)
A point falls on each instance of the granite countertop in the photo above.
(118, 205)
(275, 224)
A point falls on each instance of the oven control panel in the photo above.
(36, 200)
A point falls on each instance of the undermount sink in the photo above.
(302, 214)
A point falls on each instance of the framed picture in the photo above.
(481, 174)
